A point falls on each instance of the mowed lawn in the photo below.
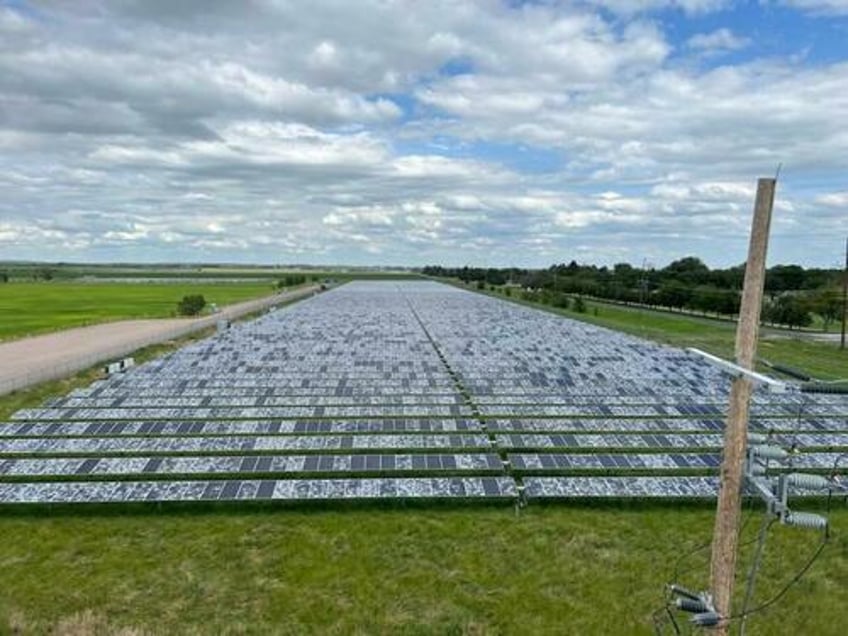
(555, 569)
(31, 308)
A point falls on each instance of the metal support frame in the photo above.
(736, 371)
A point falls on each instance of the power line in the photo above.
(774, 490)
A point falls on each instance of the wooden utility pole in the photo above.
(728, 511)
(844, 296)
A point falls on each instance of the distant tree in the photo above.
(684, 283)
(827, 303)
(579, 305)
(4, 277)
(731, 278)
(781, 278)
(560, 300)
(690, 270)
(673, 295)
(711, 299)
(293, 280)
(43, 273)
(625, 275)
(495, 276)
(789, 310)
(481, 285)
(191, 305)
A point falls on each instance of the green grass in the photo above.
(69, 272)
(550, 570)
(30, 308)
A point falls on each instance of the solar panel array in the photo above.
(401, 390)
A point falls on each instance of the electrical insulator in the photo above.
(769, 452)
(691, 605)
(806, 520)
(757, 438)
(706, 619)
(810, 482)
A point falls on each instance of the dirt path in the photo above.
(32, 360)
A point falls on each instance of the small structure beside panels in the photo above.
(401, 390)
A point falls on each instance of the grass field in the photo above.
(550, 570)
(31, 308)
(22, 272)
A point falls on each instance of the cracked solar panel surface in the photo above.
(341, 395)
(275, 490)
(650, 487)
(270, 464)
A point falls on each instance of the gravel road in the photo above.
(29, 361)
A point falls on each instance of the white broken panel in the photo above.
(271, 490)
(237, 444)
(625, 487)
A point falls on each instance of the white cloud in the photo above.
(834, 200)
(630, 7)
(719, 40)
(821, 7)
(397, 132)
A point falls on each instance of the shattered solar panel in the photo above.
(269, 490)
(177, 413)
(111, 428)
(235, 444)
(265, 464)
(610, 440)
(628, 487)
(562, 462)
(385, 389)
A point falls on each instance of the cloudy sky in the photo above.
(489, 133)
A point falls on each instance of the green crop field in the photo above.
(31, 308)
(23, 272)
(548, 570)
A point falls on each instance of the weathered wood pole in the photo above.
(728, 510)
(844, 297)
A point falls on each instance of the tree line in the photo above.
(793, 294)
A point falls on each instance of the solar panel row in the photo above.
(276, 490)
(235, 427)
(377, 380)
(236, 443)
(158, 465)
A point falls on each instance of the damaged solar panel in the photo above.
(425, 383)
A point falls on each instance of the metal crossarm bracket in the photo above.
(775, 386)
